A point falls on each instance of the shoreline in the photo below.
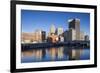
(29, 46)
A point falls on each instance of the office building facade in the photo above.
(59, 31)
(82, 36)
(71, 34)
(75, 24)
(37, 36)
(86, 38)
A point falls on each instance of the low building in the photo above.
(53, 38)
(61, 39)
(37, 36)
(27, 37)
(86, 38)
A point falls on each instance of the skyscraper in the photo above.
(59, 31)
(71, 34)
(75, 24)
(43, 36)
(52, 29)
(82, 36)
(65, 34)
(40, 36)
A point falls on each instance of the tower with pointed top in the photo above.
(52, 29)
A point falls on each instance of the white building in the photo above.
(52, 29)
(61, 38)
(82, 36)
(86, 38)
(59, 31)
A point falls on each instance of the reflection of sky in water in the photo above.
(85, 54)
(55, 54)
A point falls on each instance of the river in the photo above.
(55, 54)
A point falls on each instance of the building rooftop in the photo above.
(70, 20)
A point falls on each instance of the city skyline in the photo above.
(32, 20)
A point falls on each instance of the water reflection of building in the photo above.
(60, 52)
(27, 53)
(74, 54)
(55, 53)
(37, 54)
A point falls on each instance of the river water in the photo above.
(55, 54)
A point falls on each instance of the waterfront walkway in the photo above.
(81, 44)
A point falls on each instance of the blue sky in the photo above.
(32, 20)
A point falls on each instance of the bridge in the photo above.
(81, 44)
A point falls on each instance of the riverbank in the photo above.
(28, 46)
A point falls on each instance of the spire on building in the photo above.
(52, 29)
